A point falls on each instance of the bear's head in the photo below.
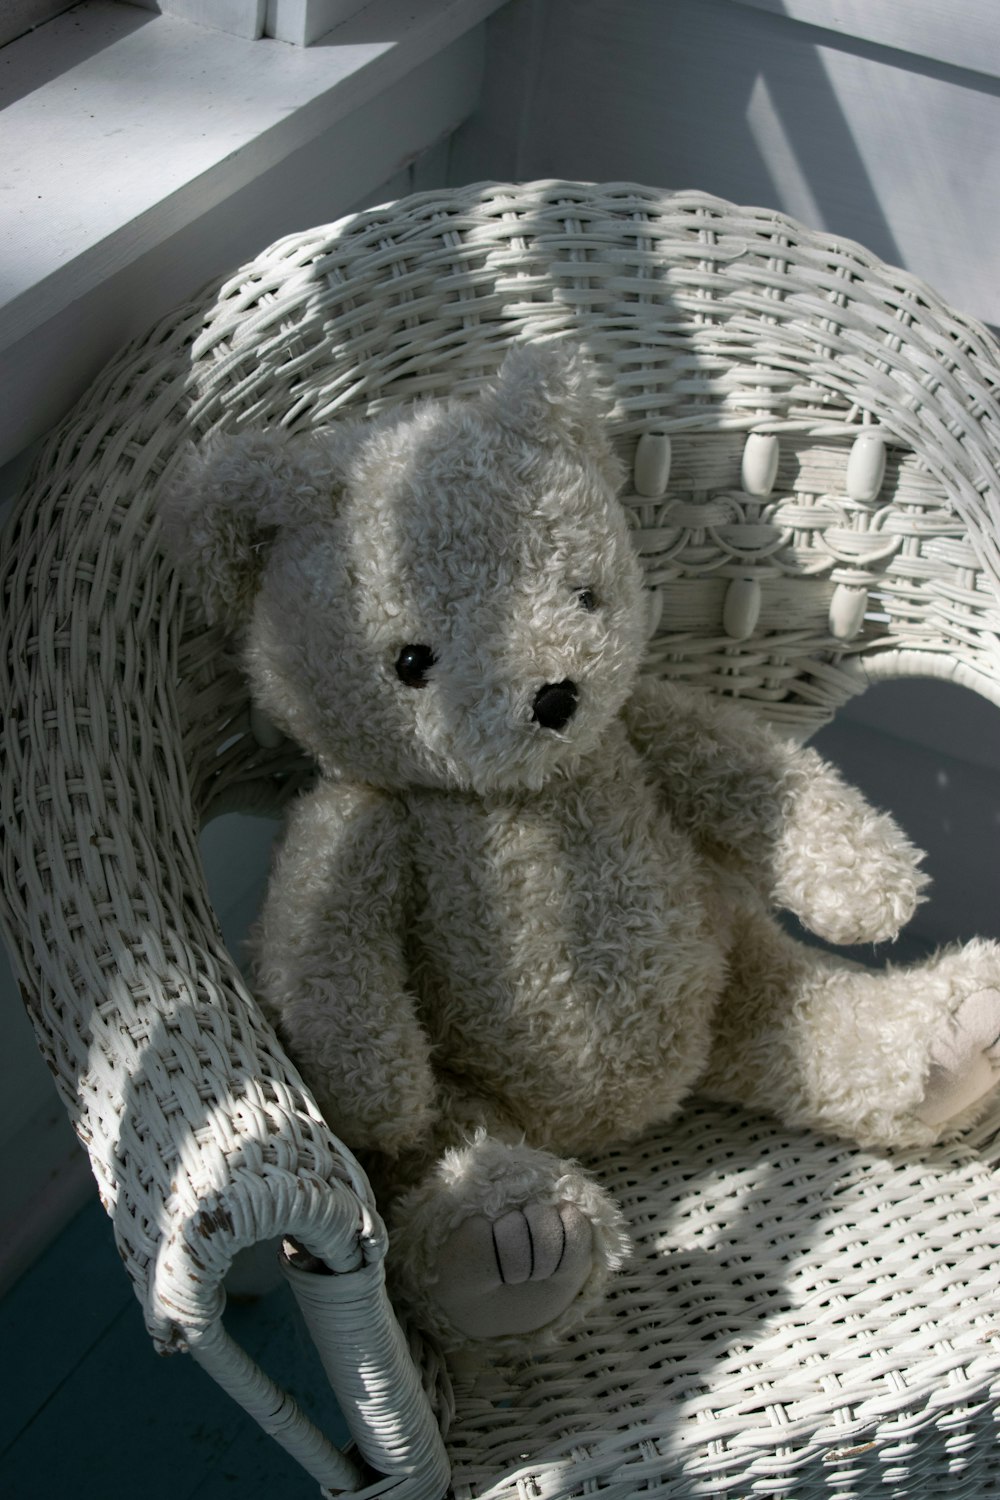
(443, 596)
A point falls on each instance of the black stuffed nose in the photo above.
(555, 704)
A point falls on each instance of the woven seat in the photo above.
(800, 1318)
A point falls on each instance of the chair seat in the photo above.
(799, 1318)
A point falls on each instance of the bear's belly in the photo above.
(564, 955)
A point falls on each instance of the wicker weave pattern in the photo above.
(126, 726)
(708, 319)
(799, 1319)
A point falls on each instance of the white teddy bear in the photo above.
(527, 907)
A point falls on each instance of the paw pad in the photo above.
(516, 1273)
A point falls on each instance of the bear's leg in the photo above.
(889, 1057)
(501, 1240)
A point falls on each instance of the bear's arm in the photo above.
(776, 812)
(330, 969)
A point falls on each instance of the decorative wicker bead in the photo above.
(760, 464)
(866, 465)
(847, 611)
(651, 469)
(741, 609)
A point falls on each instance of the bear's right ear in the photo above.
(226, 502)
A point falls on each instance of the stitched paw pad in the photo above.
(516, 1273)
(504, 1241)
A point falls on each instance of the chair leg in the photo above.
(372, 1375)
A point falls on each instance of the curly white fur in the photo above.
(531, 893)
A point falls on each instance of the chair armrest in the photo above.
(204, 1142)
(200, 1132)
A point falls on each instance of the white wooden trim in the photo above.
(964, 33)
(194, 117)
(105, 228)
(354, 163)
(238, 17)
(303, 22)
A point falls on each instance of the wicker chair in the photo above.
(800, 1318)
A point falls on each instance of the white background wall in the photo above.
(881, 124)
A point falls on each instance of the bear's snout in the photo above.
(555, 704)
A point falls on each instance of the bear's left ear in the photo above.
(229, 498)
(550, 393)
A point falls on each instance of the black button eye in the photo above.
(412, 665)
(587, 599)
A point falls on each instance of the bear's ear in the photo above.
(550, 393)
(227, 500)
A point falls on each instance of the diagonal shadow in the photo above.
(754, 106)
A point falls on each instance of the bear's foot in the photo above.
(516, 1274)
(964, 1059)
(888, 1058)
(505, 1242)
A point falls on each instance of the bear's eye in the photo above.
(587, 599)
(412, 665)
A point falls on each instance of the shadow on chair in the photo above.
(800, 1317)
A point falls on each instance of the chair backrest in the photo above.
(857, 537)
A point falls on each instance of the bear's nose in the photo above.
(555, 704)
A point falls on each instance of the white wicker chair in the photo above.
(800, 1318)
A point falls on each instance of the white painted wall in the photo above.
(144, 155)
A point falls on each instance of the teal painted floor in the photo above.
(89, 1411)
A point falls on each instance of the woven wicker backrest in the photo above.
(710, 322)
(789, 572)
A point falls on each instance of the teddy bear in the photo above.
(531, 902)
